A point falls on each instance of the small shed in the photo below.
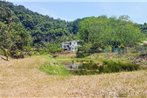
(70, 45)
(143, 47)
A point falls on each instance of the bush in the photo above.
(84, 50)
(81, 54)
(17, 54)
(46, 48)
(111, 66)
(88, 49)
(1, 52)
(53, 48)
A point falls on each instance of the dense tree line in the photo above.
(143, 28)
(14, 38)
(23, 31)
(21, 27)
(108, 34)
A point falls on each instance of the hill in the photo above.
(26, 30)
(50, 28)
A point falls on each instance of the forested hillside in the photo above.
(24, 31)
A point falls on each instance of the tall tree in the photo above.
(5, 30)
(103, 32)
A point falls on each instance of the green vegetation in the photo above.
(143, 28)
(26, 31)
(101, 34)
(112, 66)
(88, 67)
(53, 48)
(107, 45)
(54, 69)
(14, 37)
(23, 33)
(109, 66)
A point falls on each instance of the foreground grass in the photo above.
(22, 78)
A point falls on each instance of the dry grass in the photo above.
(21, 78)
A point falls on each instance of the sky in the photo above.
(72, 9)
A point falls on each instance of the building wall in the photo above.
(70, 46)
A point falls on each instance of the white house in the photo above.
(70, 45)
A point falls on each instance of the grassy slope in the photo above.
(22, 78)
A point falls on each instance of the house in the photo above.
(145, 43)
(70, 45)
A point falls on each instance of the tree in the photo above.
(143, 28)
(14, 38)
(42, 29)
(5, 43)
(21, 41)
(103, 32)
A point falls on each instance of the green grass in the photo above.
(94, 64)
(54, 69)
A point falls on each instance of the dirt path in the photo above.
(21, 78)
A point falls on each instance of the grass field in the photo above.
(23, 78)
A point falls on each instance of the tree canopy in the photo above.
(103, 32)
(22, 30)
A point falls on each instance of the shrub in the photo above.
(112, 66)
(84, 50)
(87, 49)
(47, 48)
(109, 66)
(17, 54)
(1, 52)
(53, 48)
